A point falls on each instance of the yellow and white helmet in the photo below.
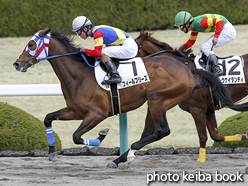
(80, 22)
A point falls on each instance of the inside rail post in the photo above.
(123, 133)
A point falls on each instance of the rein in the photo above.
(163, 51)
(42, 43)
(184, 55)
(160, 52)
(68, 54)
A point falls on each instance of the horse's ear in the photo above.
(45, 32)
(141, 31)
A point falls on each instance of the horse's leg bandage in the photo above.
(94, 142)
(235, 138)
(202, 155)
(50, 136)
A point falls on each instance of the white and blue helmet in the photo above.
(80, 22)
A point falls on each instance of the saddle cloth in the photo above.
(132, 72)
(231, 65)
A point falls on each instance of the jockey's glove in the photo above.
(80, 50)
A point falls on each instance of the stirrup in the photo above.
(113, 80)
(219, 73)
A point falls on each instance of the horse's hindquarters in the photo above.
(170, 81)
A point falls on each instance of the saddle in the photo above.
(203, 62)
(116, 63)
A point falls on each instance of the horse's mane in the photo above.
(168, 48)
(67, 40)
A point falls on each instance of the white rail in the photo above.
(31, 90)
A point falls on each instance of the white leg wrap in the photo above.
(130, 155)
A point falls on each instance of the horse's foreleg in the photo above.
(90, 121)
(199, 116)
(63, 114)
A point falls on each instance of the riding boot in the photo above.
(215, 67)
(114, 75)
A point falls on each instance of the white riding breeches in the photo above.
(128, 49)
(227, 34)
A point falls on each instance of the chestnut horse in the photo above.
(200, 103)
(170, 83)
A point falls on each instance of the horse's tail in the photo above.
(219, 91)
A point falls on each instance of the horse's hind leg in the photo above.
(156, 127)
(148, 130)
(212, 128)
(160, 130)
(209, 120)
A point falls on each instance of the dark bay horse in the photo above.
(200, 103)
(170, 83)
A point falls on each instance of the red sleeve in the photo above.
(97, 52)
(219, 26)
(191, 40)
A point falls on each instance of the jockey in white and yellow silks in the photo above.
(118, 43)
(224, 32)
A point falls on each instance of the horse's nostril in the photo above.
(15, 64)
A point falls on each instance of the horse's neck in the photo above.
(66, 68)
(245, 57)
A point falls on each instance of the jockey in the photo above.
(224, 33)
(118, 44)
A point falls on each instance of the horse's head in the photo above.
(149, 45)
(140, 40)
(36, 49)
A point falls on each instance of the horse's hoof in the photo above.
(201, 160)
(112, 165)
(52, 156)
(130, 159)
(103, 132)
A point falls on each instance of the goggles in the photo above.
(79, 31)
(182, 27)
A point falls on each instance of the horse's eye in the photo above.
(32, 45)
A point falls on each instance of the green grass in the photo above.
(237, 124)
(183, 131)
(20, 130)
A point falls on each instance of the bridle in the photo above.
(154, 54)
(139, 45)
(42, 46)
